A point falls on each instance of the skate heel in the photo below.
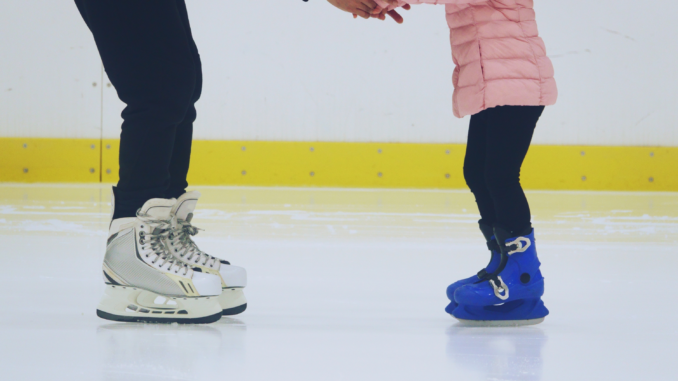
(232, 301)
(130, 304)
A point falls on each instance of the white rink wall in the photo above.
(295, 71)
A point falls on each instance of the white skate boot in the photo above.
(180, 244)
(145, 283)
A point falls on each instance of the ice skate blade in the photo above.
(235, 310)
(151, 319)
(232, 301)
(131, 304)
(499, 323)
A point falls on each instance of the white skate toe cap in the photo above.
(234, 276)
(207, 284)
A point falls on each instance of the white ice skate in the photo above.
(145, 283)
(181, 245)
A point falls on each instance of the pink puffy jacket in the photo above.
(499, 57)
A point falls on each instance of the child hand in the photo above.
(362, 8)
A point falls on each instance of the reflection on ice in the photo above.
(506, 353)
(169, 352)
(156, 352)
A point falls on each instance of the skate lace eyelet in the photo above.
(520, 245)
(500, 290)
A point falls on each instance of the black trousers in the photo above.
(498, 140)
(150, 57)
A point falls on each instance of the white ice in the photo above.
(346, 285)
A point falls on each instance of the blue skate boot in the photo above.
(495, 258)
(511, 294)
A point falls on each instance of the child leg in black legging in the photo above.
(508, 291)
(498, 140)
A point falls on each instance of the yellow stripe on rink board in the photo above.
(328, 164)
(369, 165)
(50, 160)
(316, 164)
(601, 168)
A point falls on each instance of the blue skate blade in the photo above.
(499, 323)
(523, 309)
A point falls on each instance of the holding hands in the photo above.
(390, 9)
(372, 8)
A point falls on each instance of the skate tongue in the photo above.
(158, 208)
(185, 205)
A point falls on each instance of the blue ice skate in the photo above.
(495, 258)
(511, 295)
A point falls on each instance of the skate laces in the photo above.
(156, 241)
(184, 245)
(521, 243)
(501, 290)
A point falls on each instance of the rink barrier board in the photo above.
(335, 164)
(50, 160)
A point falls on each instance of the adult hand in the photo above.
(362, 8)
(392, 13)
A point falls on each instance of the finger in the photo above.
(379, 15)
(362, 13)
(370, 4)
(362, 8)
(396, 16)
(407, 7)
(355, 16)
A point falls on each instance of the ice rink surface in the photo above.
(347, 285)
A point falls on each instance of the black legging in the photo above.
(150, 57)
(498, 140)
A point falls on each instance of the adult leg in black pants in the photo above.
(150, 57)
